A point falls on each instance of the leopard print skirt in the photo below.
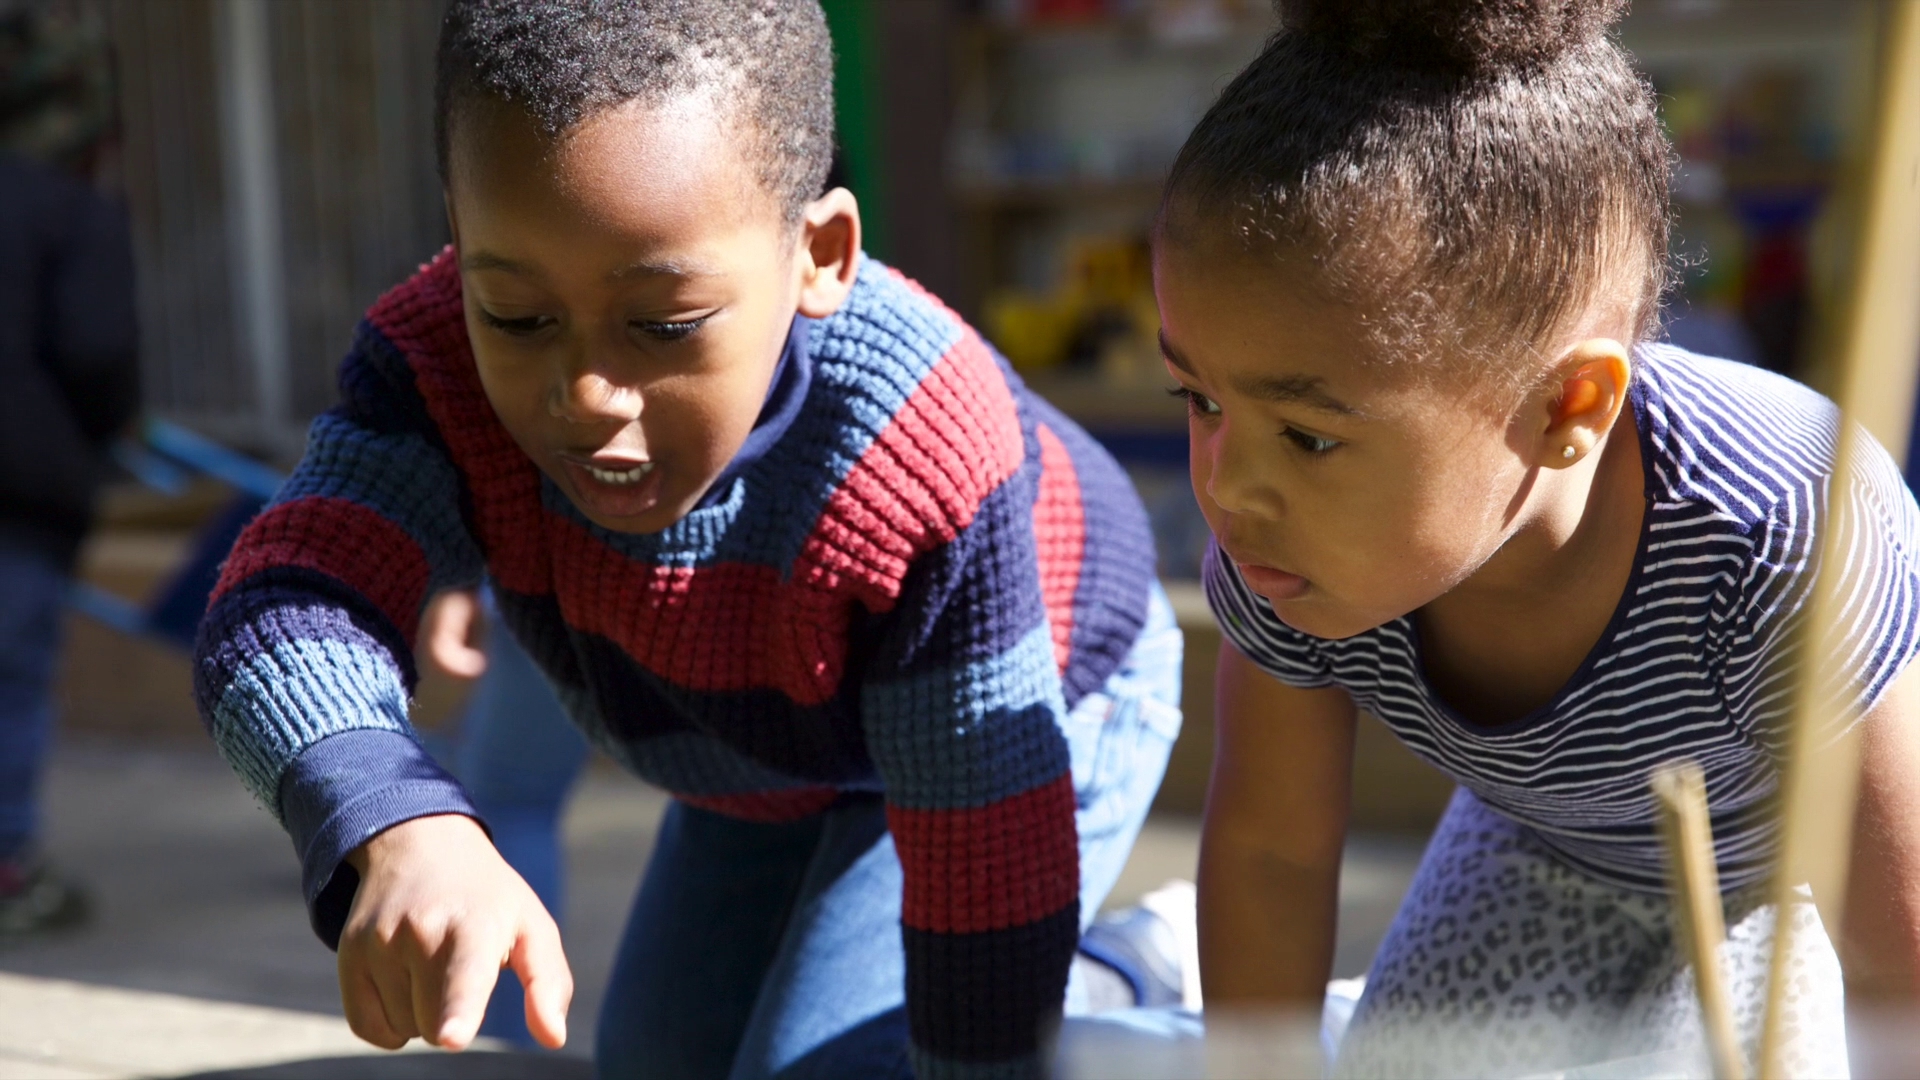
(1504, 961)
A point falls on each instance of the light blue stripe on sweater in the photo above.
(284, 700)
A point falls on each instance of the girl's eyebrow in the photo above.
(1304, 390)
(1308, 391)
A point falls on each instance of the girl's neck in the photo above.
(1504, 641)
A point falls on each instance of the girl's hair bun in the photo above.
(1468, 36)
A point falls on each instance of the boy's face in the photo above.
(628, 289)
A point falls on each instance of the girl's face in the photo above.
(1348, 492)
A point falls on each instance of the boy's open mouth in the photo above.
(621, 476)
(612, 488)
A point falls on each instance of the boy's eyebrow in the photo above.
(487, 260)
(1305, 390)
(665, 268)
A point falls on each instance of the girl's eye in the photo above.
(669, 331)
(1313, 445)
(1198, 404)
(525, 326)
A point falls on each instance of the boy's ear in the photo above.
(1592, 378)
(828, 252)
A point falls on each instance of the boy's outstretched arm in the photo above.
(437, 915)
(303, 674)
(1270, 845)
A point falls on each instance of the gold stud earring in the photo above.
(1567, 453)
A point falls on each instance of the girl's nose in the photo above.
(1236, 478)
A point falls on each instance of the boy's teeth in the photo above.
(621, 476)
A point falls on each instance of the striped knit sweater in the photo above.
(913, 570)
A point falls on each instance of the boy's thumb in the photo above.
(541, 965)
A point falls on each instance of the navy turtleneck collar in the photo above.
(785, 395)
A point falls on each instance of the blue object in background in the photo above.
(165, 457)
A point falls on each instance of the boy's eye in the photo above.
(521, 327)
(669, 331)
(1198, 404)
(1313, 445)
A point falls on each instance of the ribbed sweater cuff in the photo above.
(342, 791)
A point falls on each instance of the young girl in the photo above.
(1410, 265)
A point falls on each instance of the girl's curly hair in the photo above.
(1468, 175)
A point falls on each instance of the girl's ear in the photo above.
(1593, 378)
(828, 252)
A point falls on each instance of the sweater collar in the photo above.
(785, 395)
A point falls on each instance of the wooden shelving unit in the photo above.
(1065, 130)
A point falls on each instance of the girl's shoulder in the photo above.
(1746, 442)
(1747, 455)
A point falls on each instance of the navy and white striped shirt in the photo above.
(1698, 660)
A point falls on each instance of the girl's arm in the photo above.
(1270, 846)
(1880, 938)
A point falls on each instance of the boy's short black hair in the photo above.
(770, 61)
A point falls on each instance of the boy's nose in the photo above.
(590, 398)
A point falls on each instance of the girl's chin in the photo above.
(1311, 614)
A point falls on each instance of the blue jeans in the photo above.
(32, 596)
(518, 756)
(758, 950)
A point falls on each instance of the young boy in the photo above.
(784, 535)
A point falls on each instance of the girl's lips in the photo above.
(1273, 584)
(613, 500)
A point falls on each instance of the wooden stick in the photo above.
(1680, 796)
(1879, 346)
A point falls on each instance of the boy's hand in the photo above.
(437, 915)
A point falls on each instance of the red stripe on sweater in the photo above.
(954, 441)
(754, 631)
(766, 806)
(424, 319)
(1060, 535)
(1011, 863)
(343, 540)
